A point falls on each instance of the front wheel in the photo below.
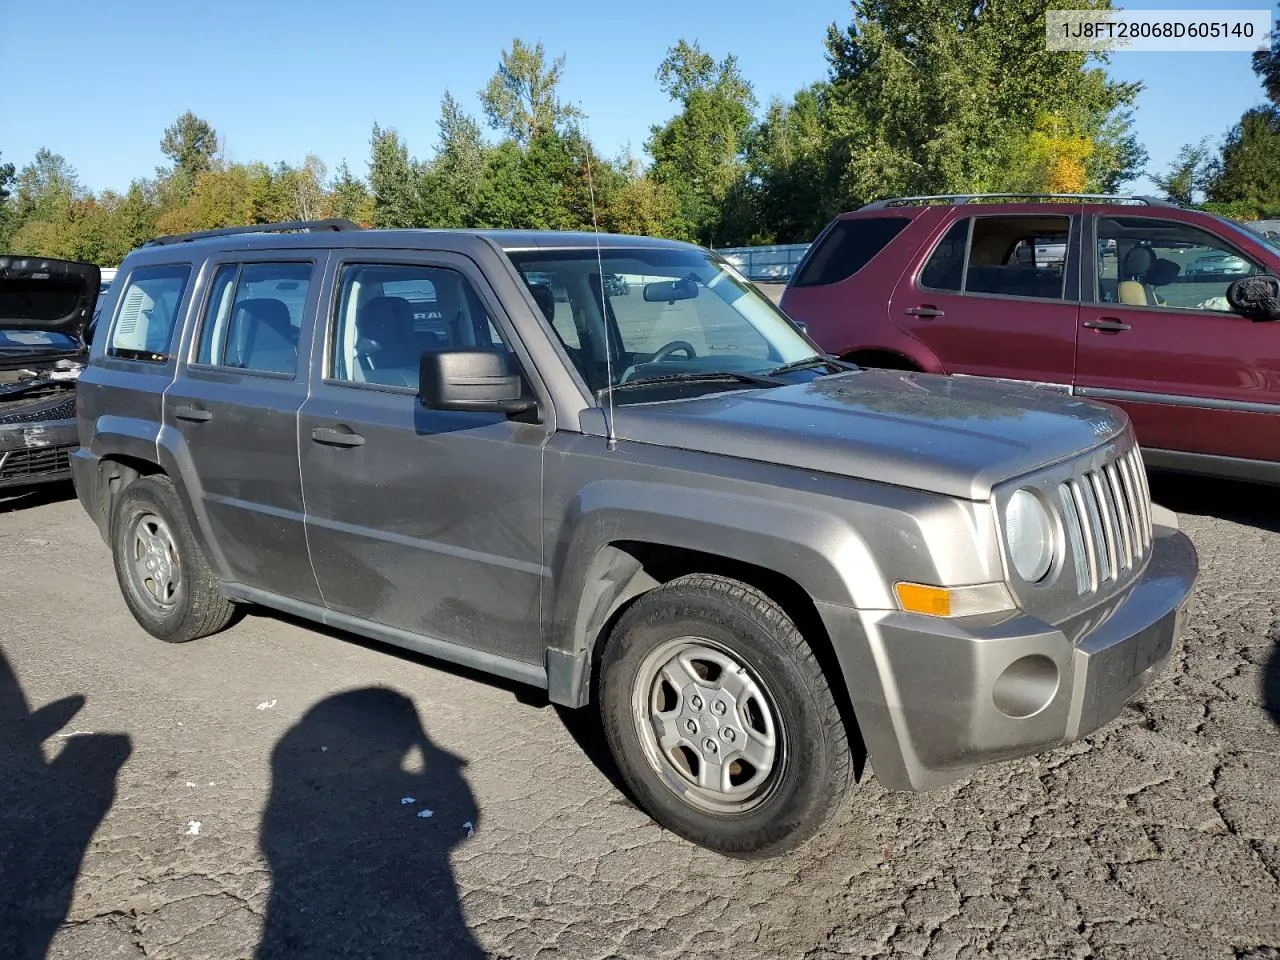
(721, 720)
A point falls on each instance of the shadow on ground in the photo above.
(49, 811)
(1251, 504)
(24, 498)
(356, 869)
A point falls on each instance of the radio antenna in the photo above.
(612, 440)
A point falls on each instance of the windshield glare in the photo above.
(665, 312)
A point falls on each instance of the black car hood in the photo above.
(39, 293)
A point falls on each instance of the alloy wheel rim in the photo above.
(708, 726)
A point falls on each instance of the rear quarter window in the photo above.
(147, 313)
(846, 248)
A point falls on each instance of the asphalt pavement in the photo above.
(279, 790)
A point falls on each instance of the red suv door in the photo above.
(997, 294)
(1158, 337)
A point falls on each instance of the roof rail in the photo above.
(971, 197)
(336, 223)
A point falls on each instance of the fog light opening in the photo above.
(1026, 686)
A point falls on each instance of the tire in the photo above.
(696, 626)
(177, 598)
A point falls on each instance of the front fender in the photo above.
(592, 576)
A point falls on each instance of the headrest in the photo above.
(1137, 262)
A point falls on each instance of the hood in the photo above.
(37, 293)
(955, 436)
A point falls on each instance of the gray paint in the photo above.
(507, 543)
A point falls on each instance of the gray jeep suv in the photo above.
(763, 565)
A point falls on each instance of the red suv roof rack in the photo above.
(974, 197)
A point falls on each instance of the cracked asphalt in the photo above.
(265, 792)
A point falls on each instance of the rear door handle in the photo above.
(333, 437)
(926, 312)
(194, 414)
(1106, 324)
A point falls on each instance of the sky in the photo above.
(279, 80)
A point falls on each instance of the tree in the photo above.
(1247, 173)
(1187, 173)
(394, 181)
(1266, 64)
(939, 96)
(520, 100)
(6, 214)
(455, 176)
(699, 153)
(190, 143)
(349, 198)
(792, 169)
(45, 189)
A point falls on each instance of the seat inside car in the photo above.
(1132, 289)
(387, 347)
(263, 336)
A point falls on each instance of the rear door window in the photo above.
(1015, 256)
(846, 248)
(254, 316)
(148, 313)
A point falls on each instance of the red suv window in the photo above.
(846, 248)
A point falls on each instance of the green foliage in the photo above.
(1266, 64)
(520, 99)
(920, 96)
(1247, 173)
(700, 153)
(1187, 174)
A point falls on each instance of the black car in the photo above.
(45, 307)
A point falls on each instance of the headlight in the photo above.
(1029, 531)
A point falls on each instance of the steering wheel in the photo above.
(669, 348)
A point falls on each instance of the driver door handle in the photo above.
(333, 437)
(925, 311)
(1107, 325)
(194, 414)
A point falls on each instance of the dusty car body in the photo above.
(45, 305)
(761, 565)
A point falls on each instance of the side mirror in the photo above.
(1257, 298)
(479, 381)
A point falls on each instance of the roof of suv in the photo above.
(1014, 199)
(344, 233)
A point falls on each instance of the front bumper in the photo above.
(36, 452)
(937, 698)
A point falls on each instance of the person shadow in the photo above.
(357, 870)
(49, 812)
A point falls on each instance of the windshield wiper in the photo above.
(808, 362)
(707, 376)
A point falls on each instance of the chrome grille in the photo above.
(1107, 515)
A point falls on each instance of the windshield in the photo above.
(665, 313)
(1257, 236)
(36, 340)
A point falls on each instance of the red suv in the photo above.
(1123, 299)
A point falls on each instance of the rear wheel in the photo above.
(163, 575)
(721, 720)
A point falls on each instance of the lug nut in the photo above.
(696, 703)
(710, 745)
(691, 726)
(728, 734)
(718, 708)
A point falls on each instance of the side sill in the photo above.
(516, 670)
